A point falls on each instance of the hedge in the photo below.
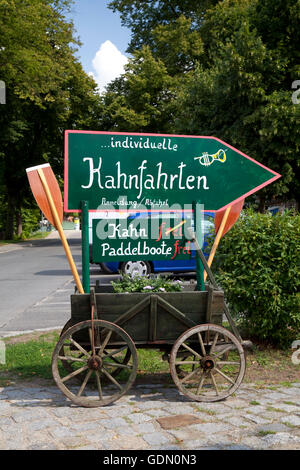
(258, 266)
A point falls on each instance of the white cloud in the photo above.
(108, 64)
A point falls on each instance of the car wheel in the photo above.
(136, 268)
(105, 269)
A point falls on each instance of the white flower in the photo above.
(162, 289)
(148, 287)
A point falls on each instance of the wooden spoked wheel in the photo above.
(119, 359)
(207, 363)
(65, 363)
(93, 352)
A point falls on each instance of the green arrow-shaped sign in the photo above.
(118, 171)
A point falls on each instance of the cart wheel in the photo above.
(119, 359)
(122, 360)
(215, 367)
(181, 369)
(67, 325)
(65, 363)
(111, 345)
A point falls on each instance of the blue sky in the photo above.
(105, 41)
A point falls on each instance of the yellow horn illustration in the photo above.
(207, 159)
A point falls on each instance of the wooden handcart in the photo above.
(95, 361)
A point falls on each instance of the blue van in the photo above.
(145, 267)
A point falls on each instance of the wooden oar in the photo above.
(47, 194)
(224, 220)
(176, 227)
(232, 218)
(39, 192)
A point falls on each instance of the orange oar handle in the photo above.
(60, 231)
(217, 239)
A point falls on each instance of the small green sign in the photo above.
(135, 172)
(141, 238)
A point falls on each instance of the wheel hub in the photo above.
(207, 363)
(136, 268)
(95, 363)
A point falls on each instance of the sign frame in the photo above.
(169, 136)
(169, 236)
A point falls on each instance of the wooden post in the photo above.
(198, 231)
(85, 246)
(215, 285)
(60, 231)
(217, 240)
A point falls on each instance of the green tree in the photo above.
(241, 92)
(142, 99)
(231, 65)
(36, 42)
(47, 92)
(138, 101)
(143, 17)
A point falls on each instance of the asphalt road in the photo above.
(36, 283)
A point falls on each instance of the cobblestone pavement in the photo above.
(37, 417)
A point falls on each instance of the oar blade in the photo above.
(232, 217)
(39, 192)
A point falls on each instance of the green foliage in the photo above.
(177, 45)
(30, 217)
(30, 220)
(3, 207)
(142, 17)
(146, 284)
(258, 266)
(241, 92)
(36, 41)
(138, 101)
(201, 67)
(47, 92)
(216, 68)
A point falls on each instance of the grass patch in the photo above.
(30, 356)
(254, 402)
(204, 410)
(4, 382)
(38, 235)
(266, 366)
(35, 236)
(265, 433)
(290, 425)
(150, 361)
(285, 384)
(275, 410)
(27, 358)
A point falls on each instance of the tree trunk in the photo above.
(261, 205)
(10, 218)
(19, 222)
